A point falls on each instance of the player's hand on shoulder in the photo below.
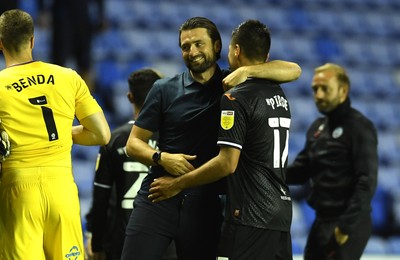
(234, 78)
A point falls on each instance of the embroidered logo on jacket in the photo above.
(337, 132)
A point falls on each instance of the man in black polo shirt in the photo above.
(253, 140)
(185, 111)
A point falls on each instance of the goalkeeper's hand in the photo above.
(4, 145)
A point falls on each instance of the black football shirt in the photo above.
(255, 118)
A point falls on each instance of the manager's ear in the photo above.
(217, 46)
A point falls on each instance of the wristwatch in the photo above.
(156, 157)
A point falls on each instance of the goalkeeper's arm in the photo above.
(4, 145)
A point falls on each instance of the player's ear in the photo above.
(32, 41)
(237, 50)
(129, 95)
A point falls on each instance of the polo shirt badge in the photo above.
(227, 119)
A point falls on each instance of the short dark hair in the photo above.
(140, 82)
(16, 29)
(202, 22)
(254, 39)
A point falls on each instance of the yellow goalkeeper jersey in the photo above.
(38, 104)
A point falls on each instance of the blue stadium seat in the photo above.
(107, 72)
(394, 245)
(298, 227)
(277, 19)
(296, 142)
(224, 18)
(120, 13)
(389, 179)
(376, 245)
(381, 211)
(111, 44)
(300, 20)
(389, 149)
(355, 52)
(325, 21)
(303, 113)
(351, 23)
(308, 213)
(298, 244)
(327, 49)
(83, 170)
(376, 24)
(42, 49)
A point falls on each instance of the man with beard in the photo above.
(185, 111)
(253, 141)
(340, 159)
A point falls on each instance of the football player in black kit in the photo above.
(340, 158)
(253, 140)
(117, 180)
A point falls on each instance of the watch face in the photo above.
(156, 156)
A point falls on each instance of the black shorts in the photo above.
(193, 222)
(244, 242)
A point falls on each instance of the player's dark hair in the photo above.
(140, 83)
(16, 29)
(202, 22)
(254, 39)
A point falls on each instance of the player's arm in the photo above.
(93, 130)
(276, 70)
(5, 146)
(137, 147)
(222, 165)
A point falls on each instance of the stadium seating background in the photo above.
(361, 35)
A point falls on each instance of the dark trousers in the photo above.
(240, 242)
(321, 243)
(193, 222)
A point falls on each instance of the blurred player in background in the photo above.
(117, 180)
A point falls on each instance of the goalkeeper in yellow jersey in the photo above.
(39, 203)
